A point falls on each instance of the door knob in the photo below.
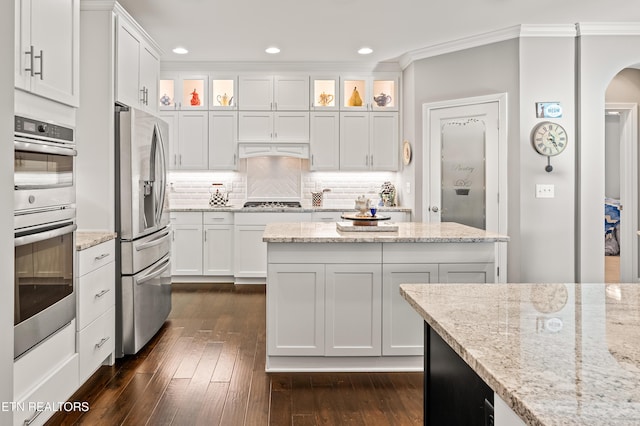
(434, 209)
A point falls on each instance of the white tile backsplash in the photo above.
(278, 177)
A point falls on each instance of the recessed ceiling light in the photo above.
(180, 50)
(365, 50)
(272, 50)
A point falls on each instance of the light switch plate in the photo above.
(545, 191)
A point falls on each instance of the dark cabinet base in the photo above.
(454, 394)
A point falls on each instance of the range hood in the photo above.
(261, 149)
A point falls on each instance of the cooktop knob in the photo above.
(42, 128)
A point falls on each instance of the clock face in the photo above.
(549, 138)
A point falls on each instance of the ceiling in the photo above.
(333, 30)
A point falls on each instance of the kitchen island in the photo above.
(549, 353)
(333, 299)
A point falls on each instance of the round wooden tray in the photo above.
(364, 220)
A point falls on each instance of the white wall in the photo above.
(6, 209)
(547, 227)
(600, 58)
(488, 69)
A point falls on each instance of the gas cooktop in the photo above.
(273, 204)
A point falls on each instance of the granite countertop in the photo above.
(555, 353)
(88, 239)
(306, 208)
(408, 232)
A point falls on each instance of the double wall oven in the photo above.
(44, 230)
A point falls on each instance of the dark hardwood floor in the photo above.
(206, 367)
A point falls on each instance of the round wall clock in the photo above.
(549, 139)
(406, 152)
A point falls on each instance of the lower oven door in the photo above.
(43, 282)
(146, 303)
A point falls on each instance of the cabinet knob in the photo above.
(435, 209)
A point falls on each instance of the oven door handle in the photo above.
(157, 271)
(41, 236)
(52, 186)
(156, 241)
(44, 148)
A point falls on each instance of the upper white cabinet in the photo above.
(370, 93)
(188, 139)
(223, 90)
(137, 67)
(263, 126)
(47, 49)
(325, 141)
(369, 140)
(325, 92)
(223, 141)
(183, 92)
(273, 93)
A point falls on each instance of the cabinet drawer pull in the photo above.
(102, 293)
(102, 256)
(31, 419)
(102, 342)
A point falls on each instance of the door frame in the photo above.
(501, 100)
(628, 188)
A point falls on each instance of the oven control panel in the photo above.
(42, 129)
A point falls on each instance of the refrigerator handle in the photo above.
(159, 144)
(156, 241)
(159, 270)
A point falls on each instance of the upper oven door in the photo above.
(43, 174)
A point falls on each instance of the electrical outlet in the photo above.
(545, 191)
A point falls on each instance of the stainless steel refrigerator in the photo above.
(143, 293)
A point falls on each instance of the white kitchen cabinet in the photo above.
(186, 244)
(47, 49)
(250, 252)
(188, 139)
(325, 92)
(273, 93)
(183, 91)
(218, 243)
(374, 92)
(324, 141)
(268, 127)
(223, 90)
(466, 273)
(369, 140)
(353, 306)
(296, 297)
(223, 140)
(95, 322)
(402, 332)
(137, 67)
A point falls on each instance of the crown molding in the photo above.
(275, 66)
(516, 31)
(608, 28)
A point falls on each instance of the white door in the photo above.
(465, 152)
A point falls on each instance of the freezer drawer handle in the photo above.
(156, 241)
(102, 293)
(155, 273)
(102, 342)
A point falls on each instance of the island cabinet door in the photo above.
(354, 310)
(402, 326)
(466, 273)
(295, 310)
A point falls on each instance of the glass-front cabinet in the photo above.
(183, 92)
(369, 93)
(223, 90)
(325, 93)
